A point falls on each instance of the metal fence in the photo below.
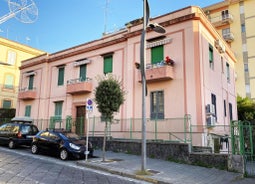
(170, 129)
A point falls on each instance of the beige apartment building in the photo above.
(11, 55)
(195, 93)
(235, 20)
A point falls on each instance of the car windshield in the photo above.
(72, 136)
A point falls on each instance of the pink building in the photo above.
(195, 94)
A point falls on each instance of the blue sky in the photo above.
(62, 24)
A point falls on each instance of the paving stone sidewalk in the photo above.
(162, 172)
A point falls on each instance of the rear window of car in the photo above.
(26, 129)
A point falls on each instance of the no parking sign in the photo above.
(89, 105)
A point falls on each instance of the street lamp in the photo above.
(159, 29)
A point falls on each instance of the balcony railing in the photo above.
(158, 72)
(222, 20)
(229, 37)
(79, 85)
(27, 94)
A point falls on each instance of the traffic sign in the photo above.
(89, 105)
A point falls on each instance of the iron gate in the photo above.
(243, 137)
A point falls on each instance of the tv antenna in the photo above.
(23, 10)
(106, 15)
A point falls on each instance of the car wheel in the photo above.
(34, 149)
(11, 144)
(63, 154)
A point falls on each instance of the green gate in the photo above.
(242, 138)
(80, 125)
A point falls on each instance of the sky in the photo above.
(62, 24)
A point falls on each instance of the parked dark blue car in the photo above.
(63, 143)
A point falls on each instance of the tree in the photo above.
(109, 96)
(245, 108)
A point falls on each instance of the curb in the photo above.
(121, 173)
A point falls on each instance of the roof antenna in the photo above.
(23, 10)
(106, 15)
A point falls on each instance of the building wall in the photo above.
(187, 91)
(20, 52)
(243, 43)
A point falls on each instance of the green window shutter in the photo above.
(58, 108)
(28, 111)
(210, 53)
(107, 64)
(157, 54)
(83, 71)
(7, 104)
(61, 71)
(31, 82)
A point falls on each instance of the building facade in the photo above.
(189, 73)
(12, 53)
(234, 20)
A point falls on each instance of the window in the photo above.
(225, 110)
(225, 31)
(58, 108)
(7, 104)
(83, 70)
(241, 8)
(247, 88)
(213, 98)
(61, 73)
(108, 64)
(230, 112)
(243, 28)
(222, 64)
(9, 81)
(157, 54)
(28, 110)
(211, 56)
(246, 68)
(228, 72)
(31, 82)
(157, 105)
(11, 57)
(224, 14)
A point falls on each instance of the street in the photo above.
(19, 166)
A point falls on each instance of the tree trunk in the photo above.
(104, 142)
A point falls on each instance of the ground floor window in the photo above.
(58, 108)
(28, 111)
(7, 104)
(157, 105)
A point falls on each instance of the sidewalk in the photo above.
(162, 172)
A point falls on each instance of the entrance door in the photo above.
(80, 120)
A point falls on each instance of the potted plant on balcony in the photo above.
(169, 61)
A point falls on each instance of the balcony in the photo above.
(229, 37)
(158, 72)
(222, 20)
(78, 86)
(27, 94)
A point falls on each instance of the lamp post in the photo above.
(159, 29)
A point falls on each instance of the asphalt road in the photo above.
(20, 166)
